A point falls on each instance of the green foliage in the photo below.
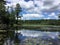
(42, 22)
(10, 34)
(9, 18)
(3, 14)
(17, 11)
(18, 8)
(12, 17)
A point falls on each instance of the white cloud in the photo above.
(56, 17)
(47, 18)
(56, 2)
(13, 1)
(53, 7)
(39, 3)
(41, 6)
(23, 3)
(26, 5)
(31, 16)
(52, 14)
(51, 17)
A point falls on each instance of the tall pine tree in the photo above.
(18, 9)
(2, 10)
(4, 20)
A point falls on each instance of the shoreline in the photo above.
(42, 27)
(38, 27)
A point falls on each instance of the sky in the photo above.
(37, 9)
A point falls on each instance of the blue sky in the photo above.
(37, 9)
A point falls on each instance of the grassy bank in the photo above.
(42, 27)
(36, 26)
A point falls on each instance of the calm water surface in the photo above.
(36, 33)
(36, 37)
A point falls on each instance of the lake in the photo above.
(33, 37)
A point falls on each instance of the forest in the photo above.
(42, 22)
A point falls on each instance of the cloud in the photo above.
(54, 6)
(42, 4)
(31, 16)
(23, 3)
(36, 8)
(52, 16)
(49, 5)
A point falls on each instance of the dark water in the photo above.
(33, 37)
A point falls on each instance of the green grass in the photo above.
(37, 25)
(41, 27)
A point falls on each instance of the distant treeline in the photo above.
(41, 22)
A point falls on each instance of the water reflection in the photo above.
(35, 33)
(32, 37)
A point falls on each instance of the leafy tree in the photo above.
(12, 17)
(2, 10)
(3, 14)
(18, 9)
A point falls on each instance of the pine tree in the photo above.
(2, 10)
(18, 9)
(2, 17)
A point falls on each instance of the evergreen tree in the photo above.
(18, 9)
(3, 14)
(12, 17)
(2, 10)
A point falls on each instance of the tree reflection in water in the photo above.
(9, 40)
(12, 39)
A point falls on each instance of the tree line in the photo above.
(42, 22)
